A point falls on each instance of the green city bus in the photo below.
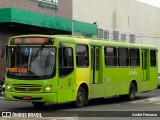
(61, 68)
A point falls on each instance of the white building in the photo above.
(129, 19)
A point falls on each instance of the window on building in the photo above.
(56, 2)
(123, 37)
(100, 33)
(153, 58)
(123, 57)
(115, 35)
(110, 56)
(134, 57)
(132, 38)
(106, 34)
(82, 58)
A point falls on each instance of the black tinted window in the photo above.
(134, 57)
(153, 58)
(82, 58)
(123, 57)
(110, 56)
(65, 61)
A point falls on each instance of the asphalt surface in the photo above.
(145, 103)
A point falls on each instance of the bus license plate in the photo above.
(26, 97)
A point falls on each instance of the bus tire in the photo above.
(81, 97)
(132, 92)
(38, 104)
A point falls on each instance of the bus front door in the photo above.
(66, 72)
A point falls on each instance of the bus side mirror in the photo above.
(3, 52)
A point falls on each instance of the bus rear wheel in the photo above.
(81, 97)
(38, 104)
(132, 92)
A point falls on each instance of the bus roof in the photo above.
(101, 42)
(90, 41)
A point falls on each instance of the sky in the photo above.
(155, 3)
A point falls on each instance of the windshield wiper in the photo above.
(35, 55)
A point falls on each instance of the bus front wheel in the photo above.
(38, 104)
(81, 97)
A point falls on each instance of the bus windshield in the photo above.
(31, 62)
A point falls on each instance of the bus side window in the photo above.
(134, 57)
(110, 56)
(123, 57)
(82, 57)
(153, 58)
(65, 61)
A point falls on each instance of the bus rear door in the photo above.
(97, 89)
(145, 69)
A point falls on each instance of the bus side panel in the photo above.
(67, 88)
(142, 85)
(96, 91)
(135, 73)
(82, 76)
(110, 81)
(153, 82)
(123, 78)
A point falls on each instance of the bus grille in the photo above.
(27, 88)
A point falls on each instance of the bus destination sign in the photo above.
(32, 41)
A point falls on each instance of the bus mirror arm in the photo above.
(62, 45)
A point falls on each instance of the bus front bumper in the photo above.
(31, 97)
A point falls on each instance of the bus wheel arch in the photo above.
(135, 83)
(82, 95)
(132, 90)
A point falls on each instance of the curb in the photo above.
(148, 100)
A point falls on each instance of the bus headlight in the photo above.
(8, 87)
(47, 89)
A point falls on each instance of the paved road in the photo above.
(149, 101)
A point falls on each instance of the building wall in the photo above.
(126, 16)
(118, 14)
(64, 9)
(93, 11)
